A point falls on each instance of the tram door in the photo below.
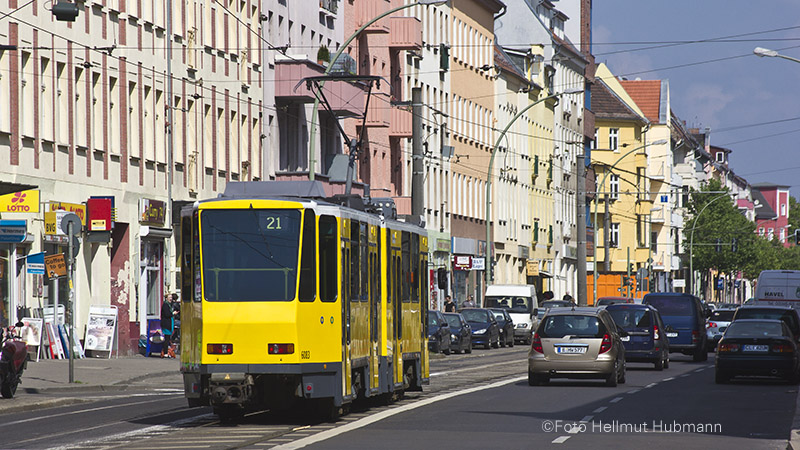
(396, 284)
(345, 286)
(374, 309)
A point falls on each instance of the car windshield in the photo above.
(754, 329)
(475, 316)
(513, 303)
(672, 306)
(453, 320)
(631, 318)
(571, 325)
(722, 315)
(433, 321)
(498, 315)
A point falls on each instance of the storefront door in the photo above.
(151, 281)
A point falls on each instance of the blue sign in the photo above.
(35, 263)
(720, 283)
(13, 230)
(664, 199)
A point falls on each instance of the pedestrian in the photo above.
(548, 295)
(469, 303)
(568, 298)
(449, 305)
(167, 326)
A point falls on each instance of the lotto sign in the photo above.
(76, 208)
(20, 202)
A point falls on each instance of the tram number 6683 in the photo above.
(305, 354)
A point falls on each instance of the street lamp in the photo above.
(596, 201)
(761, 51)
(691, 241)
(488, 269)
(311, 140)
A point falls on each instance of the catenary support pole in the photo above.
(417, 163)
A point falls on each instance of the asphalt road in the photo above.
(476, 401)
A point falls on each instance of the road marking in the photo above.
(468, 369)
(668, 379)
(650, 385)
(368, 420)
(161, 399)
(615, 400)
(560, 439)
(634, 391)
(700, 369)
(684, 375)
(600, 409)
(587, 419)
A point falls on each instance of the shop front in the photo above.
(468, 266)
(152, 244)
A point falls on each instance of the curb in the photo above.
(41, 404)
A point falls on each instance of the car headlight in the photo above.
(522, 325)
(480, 331)
(453, 338)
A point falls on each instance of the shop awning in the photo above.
(10, 188)
(545, 274)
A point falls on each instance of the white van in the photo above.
(778, 288)
(520, 301)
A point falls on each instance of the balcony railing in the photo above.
(400, 125)
(329, 6)
(379, 112)
(406, 33)
(370, 9)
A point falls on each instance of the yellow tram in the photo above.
(292, 300)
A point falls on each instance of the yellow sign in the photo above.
(533, 268)
(98, 225)
(21, 202)
(55, 265)
(76, 208)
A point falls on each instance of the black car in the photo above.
(483, 325)
(784, 313)
(762, 347)
(547, 304)
(506, 326)
(438, 333)
(460, 333)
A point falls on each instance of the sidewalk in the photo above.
(46, 383)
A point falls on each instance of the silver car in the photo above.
(577, 343)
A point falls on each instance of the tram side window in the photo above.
(327, 258)
(364, 261)
(308, 261)
(355, 252)
(186, 258)
(408, 279)
(415, 278)
(423, 282)
(198, 291)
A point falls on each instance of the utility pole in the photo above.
(606, 239)
(170, 128)
(417, 163)
(581, 216)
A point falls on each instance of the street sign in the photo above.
(35, 263)
(13, 230)
(71, 218)
(55, 265)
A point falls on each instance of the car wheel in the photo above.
(502, 343)
(622, 375)
(666, 360)
(660, 363)
(613, 377)
(496, 343)
(511, 342)
(700, 354)
(446, 350)
(469, 348)
(721, 377)
(537, 380)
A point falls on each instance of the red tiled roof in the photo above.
(646, 94)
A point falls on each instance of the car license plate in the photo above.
(672, 334)
(625, 338)
(571, 350)
(756, 348)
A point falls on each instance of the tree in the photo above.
(794, 216)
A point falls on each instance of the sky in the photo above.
(750, 104)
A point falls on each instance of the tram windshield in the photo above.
(250, 255)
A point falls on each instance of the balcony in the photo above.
(400, 125)
(657, 216)
(370, 9)
(329, 7)
(345, 98)
(403, 205)
(406, 33)
(380, 109)
(657, 172)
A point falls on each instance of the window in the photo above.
(770, 233)
(783, 209)
(308, 266)
(613, 187)
(783, 234)
(614, 235)
(720, 156)
(594, 141)
(761, 231)
(613, 139)
(654, 241)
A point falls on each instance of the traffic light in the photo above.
(441, 278)
(631, 269)
(797, 236)
(65, 11)
(718, 246)
(735, 245)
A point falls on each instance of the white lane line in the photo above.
(668, 379)
(600, 409)
(699, 370)
(615, 400)
(587, 419)
(650, 385)
(368, 420)
(633, 391)
(161, 399)
(560, 439)
(684, 375)
(574, 430)
(449, 372)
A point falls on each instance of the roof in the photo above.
(10, 188)
(647, 95)
(504, 61)
(606, 104)
(763, 210)
(767, 185)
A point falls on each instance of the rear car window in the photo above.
(756, 313)
(569, 325)
(672, 306)
(513, 303)
(632, 318)
(725, 315)
(754, 329)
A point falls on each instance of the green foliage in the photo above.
(794, 216)
(323, 54)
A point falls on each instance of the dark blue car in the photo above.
(646, 340)
(684, 322)
(485, 330)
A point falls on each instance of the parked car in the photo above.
(605, 301)
(757, 311)
(717, 324)
(506, 325)
(646, 341)
(483, 325)
(547, 304)
(759, 347)
(521, 302)
(577, 343)
(438, 333)
(684, 322)
(460, 334)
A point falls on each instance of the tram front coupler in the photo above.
(230, 388)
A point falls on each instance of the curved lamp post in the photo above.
(596, 201)
(691, 241)
(488, 269)
(761, 51)
(344, 45)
